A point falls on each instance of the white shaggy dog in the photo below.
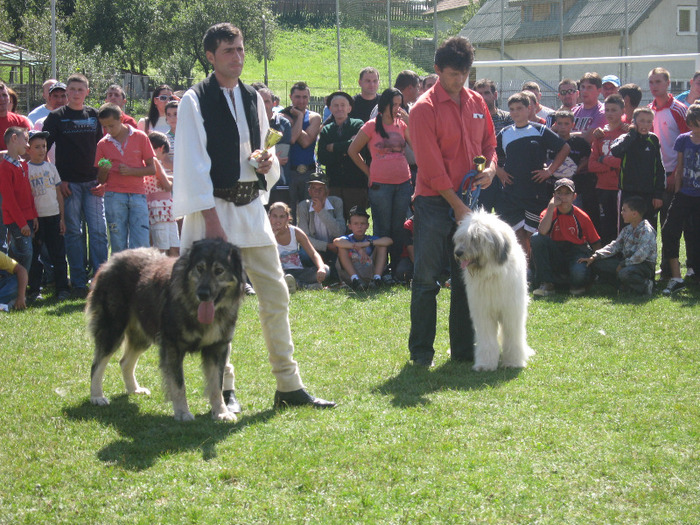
(494, 271)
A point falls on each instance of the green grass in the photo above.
(601, 428)
(311, 55)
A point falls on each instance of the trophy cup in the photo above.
(273, 137)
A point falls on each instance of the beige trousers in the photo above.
(262, 264)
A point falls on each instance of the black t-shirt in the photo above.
(362, 108)
(76, 134)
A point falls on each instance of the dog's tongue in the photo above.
(205, 312)
(464, 264)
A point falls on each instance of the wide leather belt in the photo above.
(240, 194)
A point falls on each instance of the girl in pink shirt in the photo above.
(389, 175)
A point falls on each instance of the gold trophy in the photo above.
(480, 163)
(273, 137)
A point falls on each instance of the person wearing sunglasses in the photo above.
(155, 120)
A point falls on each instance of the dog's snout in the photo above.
(204, 293)
(459, 252)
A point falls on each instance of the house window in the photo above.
(686, 20)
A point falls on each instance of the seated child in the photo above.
(685, 206)
(48, 201)
(290, 240)
(164, 231)
(13, 284)
(564, 235)
(361, 258)
(631, 258)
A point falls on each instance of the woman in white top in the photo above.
(155, 121)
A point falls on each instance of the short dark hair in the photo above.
(109, 110)
(117, 87)
(78, 77)
(358, 211)
(221, 32)
(369, 69)
(639, 111)
(592, 78)
(522, 97)
(615, 98)
(569, 81)
(456, 52)
(531, 85)
(257, 86)
(406, 78)
(485, 82)
(692, 116)
(159, 139)
(564, 113)
(11, 132)
(301, 86)
(172, 104)
(636, 203)
(633, 91)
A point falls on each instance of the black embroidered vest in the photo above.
(223, 141)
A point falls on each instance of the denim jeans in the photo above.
(127, 220)
(20, 245)
(8, 287)
(557, 261)
(432, 241)
(49, 236)
(633, 277)
(389, 203)
(82, 202)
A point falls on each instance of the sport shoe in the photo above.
(673, 286)
(249, 289)
(378, 283)
(576, 291)
(545, 290)
(291, 282)
(313, 286)
(358, 285)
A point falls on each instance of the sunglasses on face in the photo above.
(567, 92)
(165, 98)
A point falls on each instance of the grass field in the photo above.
(311, 56)
(603, 427)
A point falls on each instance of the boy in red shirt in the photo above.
(124, 157)
(565, 235)
(18, 210)
(607, 168)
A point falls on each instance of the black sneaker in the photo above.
(378, 283)
(358, 285)
(673, 286)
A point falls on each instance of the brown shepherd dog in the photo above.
(189, 304)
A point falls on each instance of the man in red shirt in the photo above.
(115, 95)
(565, 235)
(451, 125)
(7, 118)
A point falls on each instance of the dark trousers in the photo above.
(683, 217)
(432, 241)
(49, 235)
(633, 277)
(587, 198)
(609, 215)
(557, 261)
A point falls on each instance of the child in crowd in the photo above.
(159, 196)
(522, 153)
(631, 258)
(641, 170)
(13, 284)
(685, 206)
(18, 209)
(124, 157)
(48, 200)
(607, 169)
(171, 119)
(290, 242)
(577, 159)
(565, 235)
(361, 258)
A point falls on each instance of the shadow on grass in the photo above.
(413, 383)
(146, 437)
(58, 309)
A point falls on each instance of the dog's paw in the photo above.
(184, 416)
(224, 416)
(141, 390)
(515, 364)
(483, 368)
(99, 401)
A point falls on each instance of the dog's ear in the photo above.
(502, 249)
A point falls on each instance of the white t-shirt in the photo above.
(44, 178)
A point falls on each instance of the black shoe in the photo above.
(378, 283)
(423, 362)
(231, 402)
(299, 398)
(358, 285)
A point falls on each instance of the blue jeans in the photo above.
(633, 277)
(127, 220)
(434, 250)
(557, 261)
(8, 287)
(389, 203)
(20, 246)
(83, 202)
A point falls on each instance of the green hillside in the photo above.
(310, 55)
